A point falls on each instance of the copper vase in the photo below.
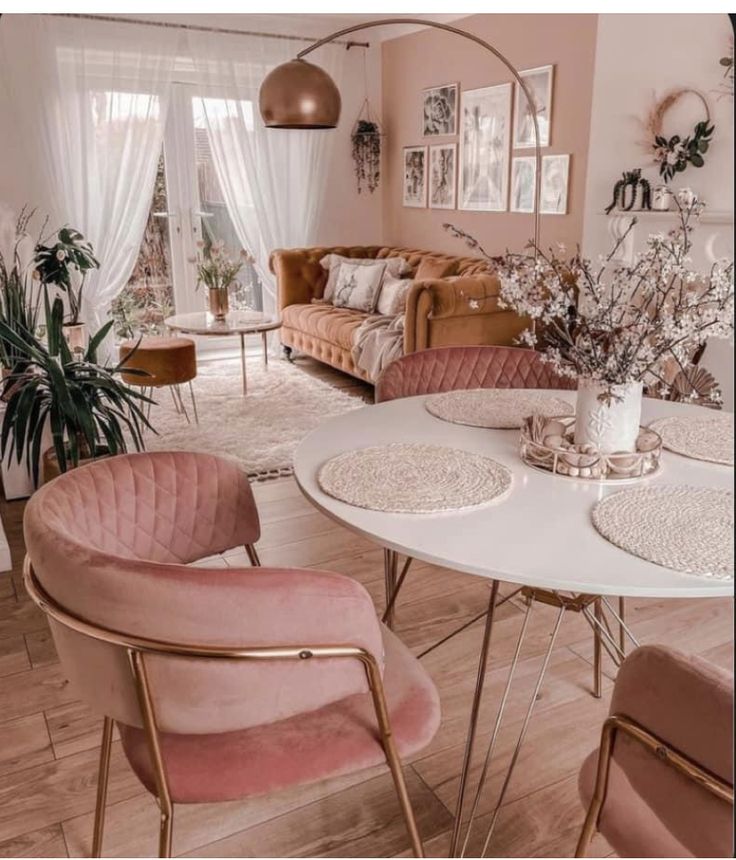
(219, 304)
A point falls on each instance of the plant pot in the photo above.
(50, 464)
(608, 417)
(219, 304)
(75, 335)
(17, 478)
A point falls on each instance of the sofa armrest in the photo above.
(299, 276)
(458, 312)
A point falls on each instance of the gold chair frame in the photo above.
(659, 748)
(137, 647)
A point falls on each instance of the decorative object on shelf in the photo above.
(20, 292)
(485, 132)
(683, 528)
(673, 154)
(539, 82)
(415, 176)
(555, 170)
(708, 437)
(64, 265)
(686, 197)
(494, 407)
(661, 198)
(366, 141)
(442, 175)
(217, 272)
(439, 110)
(523, 175)
(618, 323)
(414, 479)
(91, 413)
(632, 191)
(551, 444)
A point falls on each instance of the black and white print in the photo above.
(555, 169)
(523, 175)
(442, 175)
(415, 176)
(539, 82)
(439, 110)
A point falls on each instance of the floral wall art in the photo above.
(415, 176)
(442, 175)
(439, 110)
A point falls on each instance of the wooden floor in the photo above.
(48, 740)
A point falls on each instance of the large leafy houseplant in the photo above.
(20, 292)
(65, 263)
(89, 410)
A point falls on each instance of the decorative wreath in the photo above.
(673, 154)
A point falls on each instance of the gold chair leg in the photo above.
(597, 653)
(103, 775)
(592, 817)
(252, 555)
(154, 748)
(392, 757)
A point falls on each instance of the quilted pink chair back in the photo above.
(449, 368)
(110, 542)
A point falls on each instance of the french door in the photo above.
(188, 208)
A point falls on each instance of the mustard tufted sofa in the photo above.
(439, 311)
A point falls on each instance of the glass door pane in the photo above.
(215, 221)
(148, 297)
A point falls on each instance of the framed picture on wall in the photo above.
(485, 134)
(439, 110)
(415, 176)
(555, 175)
(539, 82)
(442, 175)
(523, 175)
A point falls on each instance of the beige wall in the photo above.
(430, 57)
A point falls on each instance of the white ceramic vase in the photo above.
(610, 424)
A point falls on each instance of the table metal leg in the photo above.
(391, 599)
(264, 337)
(390, 568)
(242, 363)
(621, 631)
(194, 402)
(474, 711)
(597, 653)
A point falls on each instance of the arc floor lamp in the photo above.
(301, 95)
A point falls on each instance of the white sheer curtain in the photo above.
(90, 102)
(273, 180)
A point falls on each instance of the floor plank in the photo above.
(46, 842)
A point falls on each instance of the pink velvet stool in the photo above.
(225, 683)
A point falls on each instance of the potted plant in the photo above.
(616, 326)
(87, 409)
(217, 272)
(65, 264)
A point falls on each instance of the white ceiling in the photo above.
(300, 24)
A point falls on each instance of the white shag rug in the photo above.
(262, 430)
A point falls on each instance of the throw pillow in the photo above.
(435, 267)
(357, 286)
(395, 266)
(392, 298)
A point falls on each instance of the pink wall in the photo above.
(429, 58)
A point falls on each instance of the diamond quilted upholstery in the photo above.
(164, 507)
(457, 367)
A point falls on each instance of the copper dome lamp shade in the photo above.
(301, 95)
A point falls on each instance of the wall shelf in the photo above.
(707, 217)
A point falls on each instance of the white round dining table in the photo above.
(541, 535)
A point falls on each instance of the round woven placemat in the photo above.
(493, 407)
(414, 479)
(684, 528)
(706, 437)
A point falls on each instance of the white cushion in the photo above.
(394, 266)
(358, 286)
(392, 298)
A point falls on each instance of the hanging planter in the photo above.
(366, 141)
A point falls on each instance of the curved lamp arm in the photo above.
(483, 44)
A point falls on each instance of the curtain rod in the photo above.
(175, 25)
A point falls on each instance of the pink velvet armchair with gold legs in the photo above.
(661, 783)
(224, 683)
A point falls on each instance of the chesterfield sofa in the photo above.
(453, 302)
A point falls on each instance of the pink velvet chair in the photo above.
(224, 683)
(661, 784)
(448, 368)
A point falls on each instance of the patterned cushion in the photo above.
(456, 367)
(395, 266)
(357, 287)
